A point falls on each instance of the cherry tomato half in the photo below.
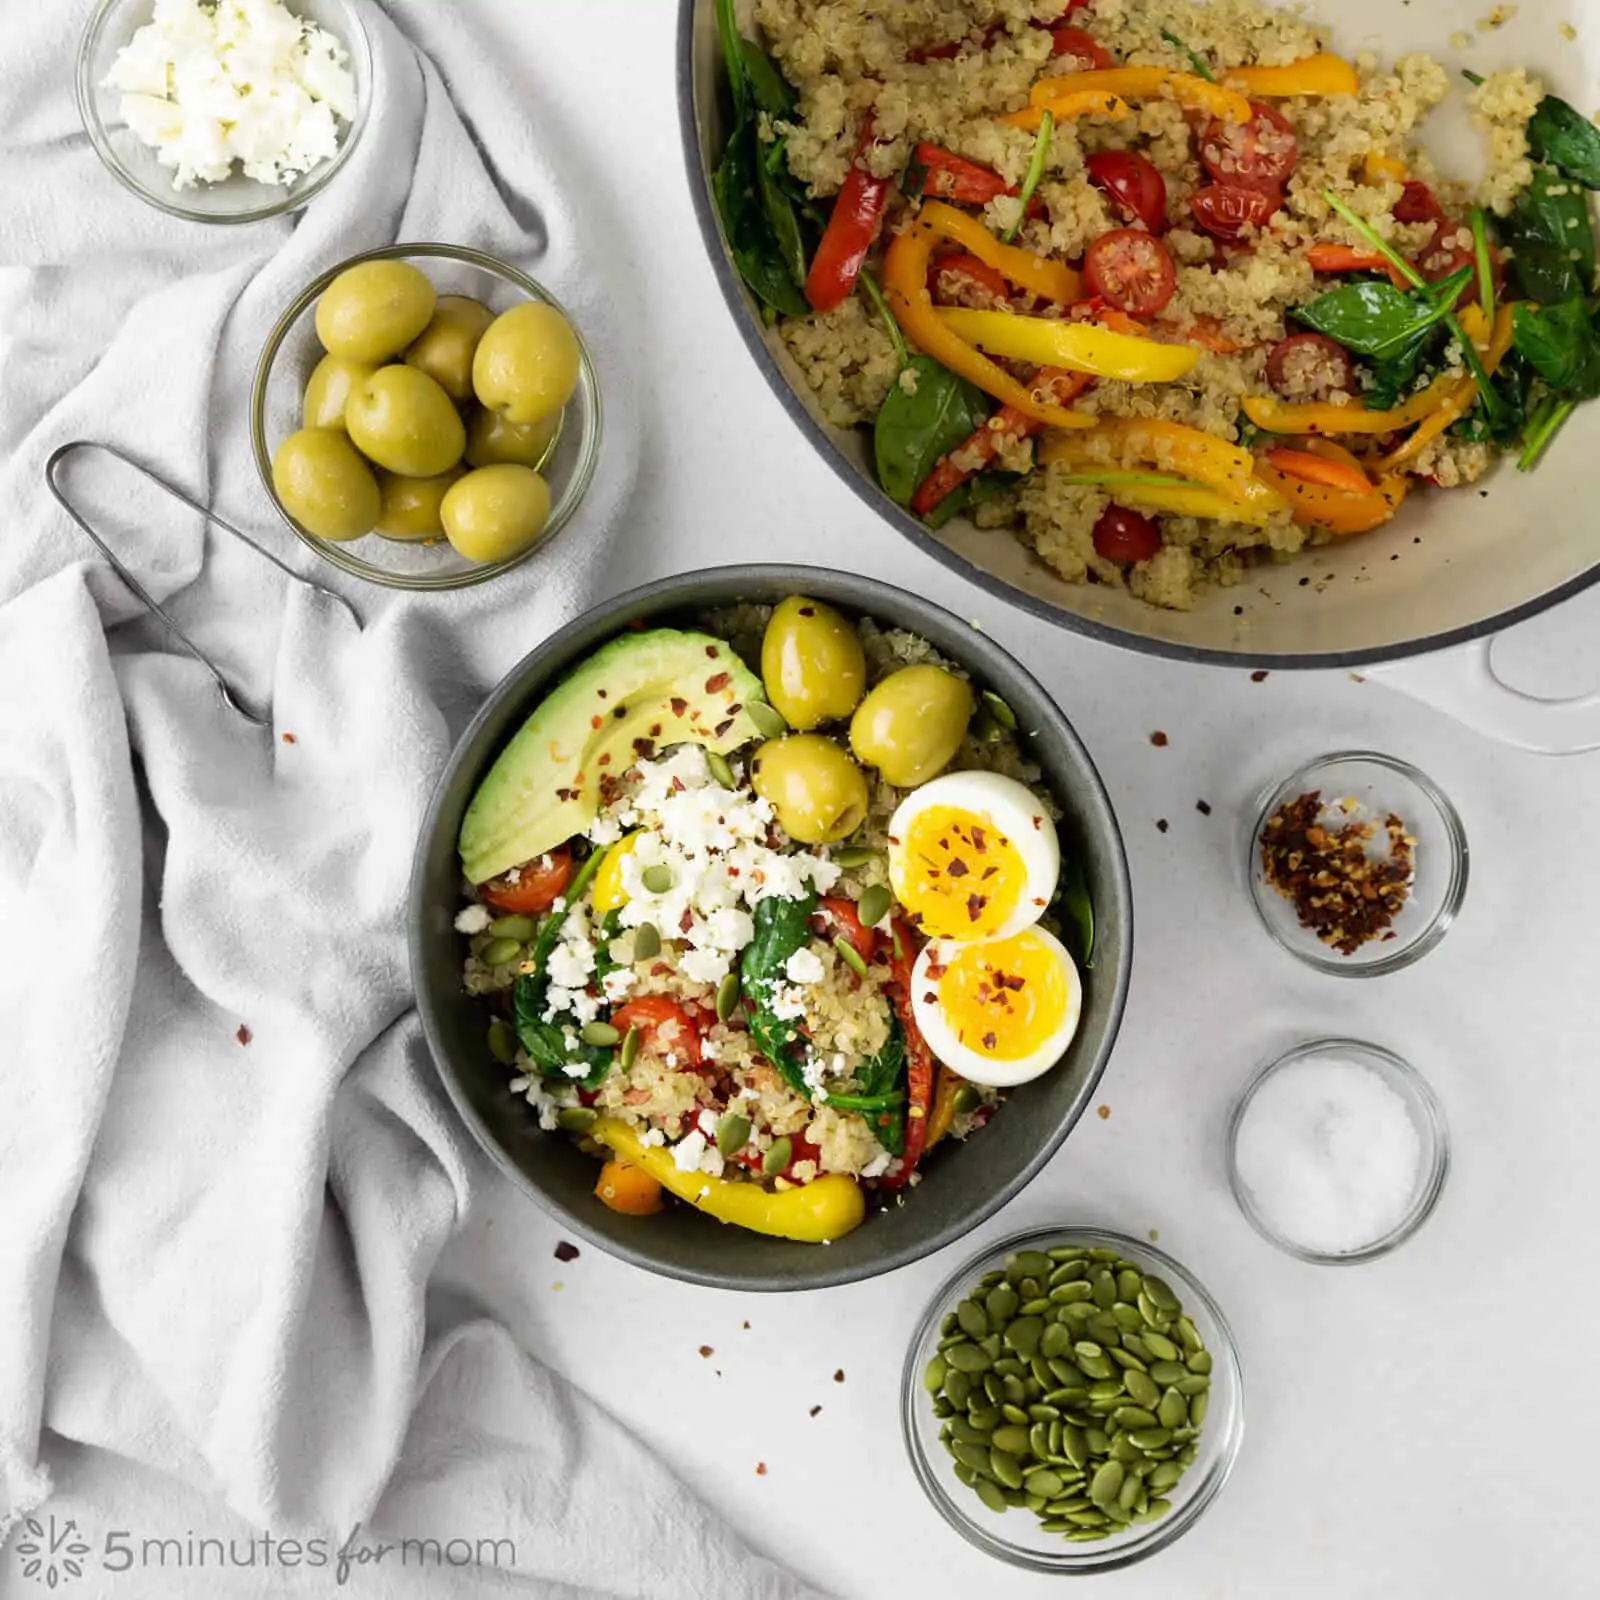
(1259, 154)
(1449, 248)
(1225, 210)
(1081, 46)
(535, 885)
(1310, 366)
(1131, 270)
(1124, 535)
(1418, 203)
(665, 1024)
(1133, 182)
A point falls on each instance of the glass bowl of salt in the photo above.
(1337, 1151)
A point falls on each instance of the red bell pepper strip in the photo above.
(973, 455)
(843, 918)
(1331, 258)
(919, 1059)
(947, 176)
(851, 230)
(979, 274)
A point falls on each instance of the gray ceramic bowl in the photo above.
(962, 1184)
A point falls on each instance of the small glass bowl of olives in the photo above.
(425, 416)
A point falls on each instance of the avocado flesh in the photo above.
(630, 700)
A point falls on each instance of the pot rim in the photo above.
(1093, 807)
(733, 294)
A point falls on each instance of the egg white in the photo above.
(970, 1064)
(1002, 805)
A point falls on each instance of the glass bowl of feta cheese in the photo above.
(224, 110)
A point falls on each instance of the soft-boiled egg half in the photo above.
(973, 855)
(997, 1011)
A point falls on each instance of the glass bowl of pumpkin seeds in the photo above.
(1072, 1400)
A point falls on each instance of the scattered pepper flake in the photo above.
(1103, 1112)
(747, 1325)
(1203, 807)
(1161, 824)
(707, 1351)
(761, 1469)
(815, 1410)
(838, 1376)
(1159, 739)
(1259, 676)
(289, 738)
(244, 1035)
(567, 1251)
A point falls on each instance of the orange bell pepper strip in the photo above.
(1077, 346)
(1465, 394)
(905, 282)
(1347, 258)
(1142, 83)
(1312, 75)
(1170, 447)
(1318, 506)
(1069, 107)
(1049, 280)
(1278, 416)
(946, 1086)
(1309, 467)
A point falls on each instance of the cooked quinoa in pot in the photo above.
(1174, 253)
(803, 928)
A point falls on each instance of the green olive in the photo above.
(496, 512)
(812, 663)
(325, 485)
(411, 506)
(333, 380)
(373, 310)
(445, 348)
(912, 724)
(401, 419)
(817, 791)
(526, 366)
(491, 439)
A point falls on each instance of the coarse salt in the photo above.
(1330, 1155)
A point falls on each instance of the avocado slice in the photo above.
(628, 701)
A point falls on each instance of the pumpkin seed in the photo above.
(1106, 1389)
(986, 1418)
(1099, 1442)
(1006, 1468)
(1029, 1264)
(1096, 1366)
(1056, 1340)
(1135, 1346)
(1085, 1536)
(958, 1385)
(1163, 1475)
(1067, 1272)
(769, 721)
(1009, 1367)
(1161, 1347)
(500, 952)
(1151, 1438)
(1057, 1432)
(963, 1357)
(1198, 1407)
(1075, 1445)
(851, 957)
(942, 1406)
(599, 1034)
(576, 1119)
(657, 879)
(646, 942)
(990, 1495)
(519, 928)
(1173, 1410)
(873, 905)
(1133, 1417)
(1123, 1449)
(1001, 1305)
(1104, 1253)
(1128, 1495)
(1016, 1391)
(717, 766)
(970, 1455)
(1106, 1484)
(1089, 1518)
(1127, 1319)
(1035, 1306)
(1066, 1294)
(733, 1132)
(1000, 711)
(1129, 1282)
(1042, 1481)
(965, 1474)
(1191, 1385)
(850, 856)
(1024, 1334)
(1011, 1439)
(1167, 1373)
(1105, 1289)
(972, 1319)
(966, 1100)
(502, 1041)
(1161, 1293)
(727, 995)
(1190, 1335)
(1067, 1252)
(1200, 1361)
(1125, 1361)
(1076, 1315)
(1039, 1439)
(934, 1374)
(779, 1153)
(1015, 1415)
(1034, 1502)
(1140, 1389)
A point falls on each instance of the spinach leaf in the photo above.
(1513, 384)
(740, 189)
(768, 89)
(985, 486)
(1551, 238)
(1378, 320)
(913, 430)
(1561, 345)
(610, 927)
(546, 1043)
(1395, 379)
(882, 1074)
(781, 928)
(782, 219)
(881, 1078)
(1562, 136)
(1079, 908)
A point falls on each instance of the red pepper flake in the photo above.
(989, 1041)
(975, 905)
(567, 1251)
(1203, 807)
(838, 1376)
(1161, 824)
(717, 682)
(1159, 739)
(1038, 823)
(678, 704)
(721, 729)
(686, 921)
(707, 1351)
(1258, 677)
(655, 730)
(605, 694)
(1103, 1112)
(815, 1410)
(808, 611)
(244, 1035)
(980, 840)
(761, 1469)
(711, 652)
(605, 758)
(958, 868)
(620, 713)
(597, 722)
(747, 1327)
(644, 748)
(289, 738)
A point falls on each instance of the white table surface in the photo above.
(1411, 1431)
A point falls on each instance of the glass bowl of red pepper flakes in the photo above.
(1357, 863)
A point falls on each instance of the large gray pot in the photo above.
(1450, 568)
(963, 1184)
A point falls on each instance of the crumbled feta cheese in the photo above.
(616, 984)
(473, 919)
(652, 1136)
(604, 830)
(207, 83)
(805, 966)
(786, 1001)
(532, 1089)
(686, 1153)
(878, 1165)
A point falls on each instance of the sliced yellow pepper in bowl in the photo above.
(1142, 83)
(1050, 280)
(1279, 416)
(1312, 75)
(811, 1213)
(1076, 346)
(1173, 497)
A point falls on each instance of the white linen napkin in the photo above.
(226, 1169)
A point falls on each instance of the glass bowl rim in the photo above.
(1437, 1133)
(356, 42)
(1426, 938)
(1074, 1560)
(561, 512)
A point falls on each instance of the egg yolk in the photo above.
(1005, 999)
(960, 877)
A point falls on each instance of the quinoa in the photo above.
(846, 58)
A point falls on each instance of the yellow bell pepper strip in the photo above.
(1070, 107)
(1316, 505)
(1278, 416)
(1143, 83)
(1312, 467)
(1312, 75)
(1173, 497)
(826, 1208)
(1378, 169)
(943, 1111)
(1465, 394)
(1049, 280)
(905, 282)
(1172, 447)
(1076, 346)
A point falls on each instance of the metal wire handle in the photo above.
(52, 469)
